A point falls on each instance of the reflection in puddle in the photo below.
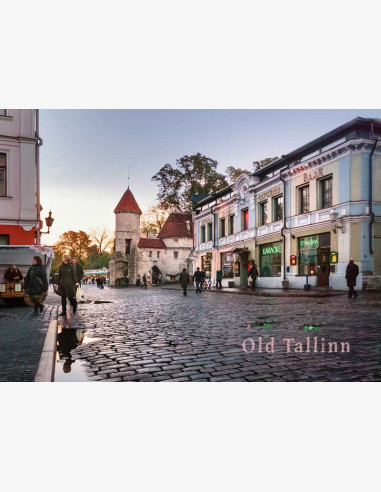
(68, 369)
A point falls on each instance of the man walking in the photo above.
(198, 278)
(184, 280)
(219, 279)
(144, 281)
(254, 274)
(351, 275)
(78, 270)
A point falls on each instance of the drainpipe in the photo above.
(39, 142)
(371, 214)
(284, 221)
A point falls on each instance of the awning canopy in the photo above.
(238, 251)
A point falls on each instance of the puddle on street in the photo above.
(68, 369)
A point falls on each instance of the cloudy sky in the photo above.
(86, 153)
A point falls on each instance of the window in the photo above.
(222, 227)
(4, 238)
(176, 241)
(3, 112)
(227, 265)
(304, 199)
(278, 208)
(150, 254)
(158, 254)
(325, 192)
(3, 175)
(128, 246)
(263, 213)
(210, 231)
(271, 260)
(203, 234)
(231, 224)
(175, 254)
(245, 219)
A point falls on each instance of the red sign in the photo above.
(292, 260)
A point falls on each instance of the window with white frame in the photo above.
(3, 175)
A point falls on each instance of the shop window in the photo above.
(203, 234)
(175, 254)
(3, 175)
(245, 219)
(128, 246)
(308, 247)
(222, 227)
(304, 199)
(206, 263)
(210, 231)
(278, 208)
(325, 192)
(270, 260)
(263, 213)
(227, 265)
(231, 224)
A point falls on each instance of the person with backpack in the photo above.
(36, 283)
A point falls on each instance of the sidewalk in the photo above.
(314, 292)
(22, 340)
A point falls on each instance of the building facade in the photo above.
(19, 177)
(302, 217)
(160, 258)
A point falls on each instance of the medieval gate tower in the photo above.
(124, 261)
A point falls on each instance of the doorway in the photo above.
(323, 267)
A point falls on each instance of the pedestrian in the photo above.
(160, 277)
(144, 281)
(203, 275)
(92, 280)
(184, 280)
(138, 281)
(198, 278)
(219, 279)
(98, 280)
(67, 283)
(36, 283)
(78, 270)
(13, 274)
(254, 274)
(351, 275)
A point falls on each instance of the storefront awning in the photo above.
(238, 251)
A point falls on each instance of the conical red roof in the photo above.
(128, 203)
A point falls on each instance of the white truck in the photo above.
(21, 256)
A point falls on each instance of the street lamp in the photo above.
(334, 221)
(49, 222)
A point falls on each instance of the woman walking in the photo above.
(36, 283)
(67, 283)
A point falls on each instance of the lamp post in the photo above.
(49, 222)
(334, 223)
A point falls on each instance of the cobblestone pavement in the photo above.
(21, 340)
(161, 335)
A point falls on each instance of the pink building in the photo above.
(19, 177)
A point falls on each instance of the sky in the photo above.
(86, 153)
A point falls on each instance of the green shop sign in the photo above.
(272, 250)
(309, 242)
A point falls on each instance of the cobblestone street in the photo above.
(160, 335)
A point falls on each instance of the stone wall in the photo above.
(371, 282)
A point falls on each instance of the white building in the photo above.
(19, 177)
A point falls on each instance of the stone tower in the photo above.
(124, 261)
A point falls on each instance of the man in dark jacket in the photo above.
(198, 278)
(254, 274)
(219, 279)
(78, 270)
(144, 281)
(36, 283)
(184, 280)
(351, 275)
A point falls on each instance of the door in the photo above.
(323, 266)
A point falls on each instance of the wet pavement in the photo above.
(161, 335)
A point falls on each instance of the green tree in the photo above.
(192, 174)
(263, 163)
(232, 173)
